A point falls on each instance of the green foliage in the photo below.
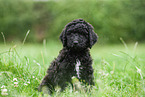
(14, 20)
(111, 19)
(118, 70)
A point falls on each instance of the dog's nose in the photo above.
(75, 42)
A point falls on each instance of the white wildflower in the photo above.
(15, 79)
(33, 76)
(3, 86)
(15, 83)
(111, 72)
(4, 92)
(28, 82)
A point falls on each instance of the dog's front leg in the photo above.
(46, 86)
(87, 76)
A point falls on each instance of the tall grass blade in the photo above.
(124, 43)
(3, 38)
(134, 49)
(26, 36)
(42, 57)
(44, 44)
(139, 71)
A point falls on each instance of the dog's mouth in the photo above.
(75, 47)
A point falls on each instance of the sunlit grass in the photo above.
(118, 70)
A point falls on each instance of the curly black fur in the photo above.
(77, 38)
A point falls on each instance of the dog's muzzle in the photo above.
(75, 40)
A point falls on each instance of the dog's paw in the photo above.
(45, 90)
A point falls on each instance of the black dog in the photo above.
(74, 59)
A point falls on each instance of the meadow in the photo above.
(119, 70)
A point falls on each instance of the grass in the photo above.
(119, 70)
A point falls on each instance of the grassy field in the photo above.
(118, 69)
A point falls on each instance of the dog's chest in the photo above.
(77, 68)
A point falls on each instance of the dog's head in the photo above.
(78, 35)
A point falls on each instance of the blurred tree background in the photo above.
(46, 19)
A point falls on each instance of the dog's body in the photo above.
(74, 59)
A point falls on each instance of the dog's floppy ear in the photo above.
(62, 37)
(92, 36)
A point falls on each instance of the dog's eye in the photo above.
(84, 34)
